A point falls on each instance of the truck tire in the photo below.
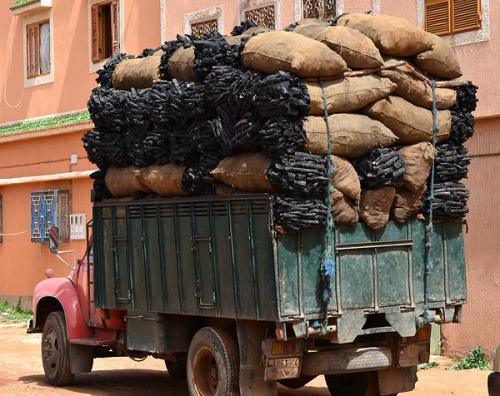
(213, 364)
(358, 384)
(296, 383)
(55, 350)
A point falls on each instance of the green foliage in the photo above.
(475, 360)
(427, 366)
(22, 3)
(13, 314)
(45, 123)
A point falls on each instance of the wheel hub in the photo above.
(50, 349)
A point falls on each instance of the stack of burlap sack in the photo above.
(368, 82)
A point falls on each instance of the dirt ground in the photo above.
(21, 373)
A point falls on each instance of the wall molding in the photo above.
(205, 15)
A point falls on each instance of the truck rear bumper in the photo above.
(346, 361)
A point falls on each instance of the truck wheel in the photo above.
(177, 369)
(213, 364)
(296, 383)
(55, 350)
(358, 384)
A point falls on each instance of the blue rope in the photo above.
(429, 228)
(328, 267)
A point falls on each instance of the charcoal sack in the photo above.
(124, 182)
(164, 180)
(181, 64)
(407, 204)
(352, 135)
(410, 123)
(348, 94)
(286, 51)
(137, 73)
(354, 47)
(375, 206)
(245, 172)
(416, 90)
(440, 60)
(344, 211)
(392, 36)
(345, 179)
(418, 163)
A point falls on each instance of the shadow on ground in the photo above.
(137, 383)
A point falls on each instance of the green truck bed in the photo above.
(220, 257)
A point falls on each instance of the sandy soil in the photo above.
(21, 373)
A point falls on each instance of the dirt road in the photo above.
(21, 373)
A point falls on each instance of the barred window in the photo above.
(321, 9)
(201, 29)
(263, 16)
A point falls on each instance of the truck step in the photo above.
(92, 341)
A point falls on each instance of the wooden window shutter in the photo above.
(438, 16)
(466, 15)
(115, 26)
(96, 39)
(33, 50)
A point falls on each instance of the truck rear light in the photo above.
(285, 348)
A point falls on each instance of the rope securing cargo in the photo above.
(328, 266)
(429, 228)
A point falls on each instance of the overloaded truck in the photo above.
(241, 210)
(211, 287)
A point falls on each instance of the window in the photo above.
(322, 9)
(263, 16)
(38, 49)
(50, 208)
(444, 17)
(104, 30)
(201, 29)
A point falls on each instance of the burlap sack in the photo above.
(392, 36)
(354, 47)
(274, 51)
(375, 206)
(418, 163)
(245, 172)
(417, 91)
(124, 182)
(346, 95)
(344, 211)
(407, 204)
(136, 73)
(352, 135)
(164, 180)
(440, 61)
(181, 64)
(345, 179)
(236, 40)
(312, 21)
(410, 123)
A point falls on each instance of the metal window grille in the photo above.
(263, 16)
(201, 29)
(321, 9)
(50, 208)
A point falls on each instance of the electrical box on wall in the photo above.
(48, 208)
(77, 226)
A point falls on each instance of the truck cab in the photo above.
(234, 307)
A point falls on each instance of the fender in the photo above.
(62, 290)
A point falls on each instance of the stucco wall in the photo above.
(73, 80)
(481, 316)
